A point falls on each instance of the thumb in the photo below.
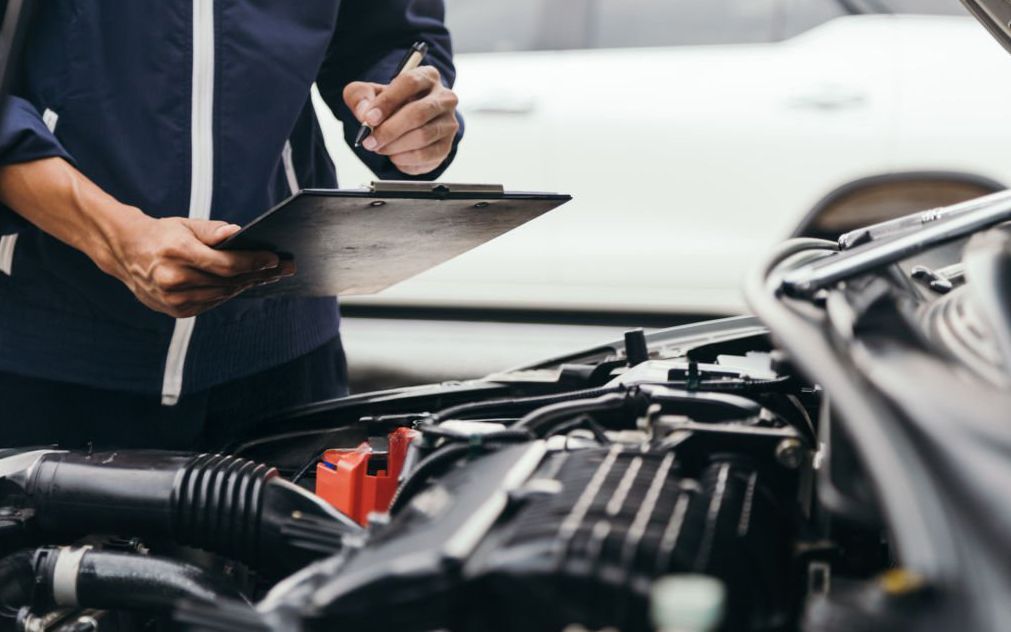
(359, 95)
(211, 232)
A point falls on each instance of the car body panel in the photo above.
(741, 137)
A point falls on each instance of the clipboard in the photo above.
(350, 242)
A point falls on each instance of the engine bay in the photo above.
(692, 463)
(688, 479)
(568, 495)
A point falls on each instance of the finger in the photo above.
(197, 253)
(209, 231)
(244, 281)
(230, 263)
(421, 161)
(359, 95)
(414, 116)
(439, 128)
(202, 299)
(264, 283)
(185, 279)
(402, 90)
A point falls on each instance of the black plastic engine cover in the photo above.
(590, 553)
(580, 541)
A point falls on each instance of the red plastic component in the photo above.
(343, 479)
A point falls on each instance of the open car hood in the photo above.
(995, 16)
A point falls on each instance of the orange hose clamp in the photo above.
(344, 481)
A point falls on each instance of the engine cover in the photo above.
(581, 540)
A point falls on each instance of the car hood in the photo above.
(995, 16)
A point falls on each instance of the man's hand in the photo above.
(170, 264)
(413, 119)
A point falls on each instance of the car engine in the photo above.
(537, 500)
(735, 475)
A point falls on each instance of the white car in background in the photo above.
(693, 135)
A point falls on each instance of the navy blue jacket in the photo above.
(183, 107)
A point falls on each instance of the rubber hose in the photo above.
(230, 506)
(464, 411)
(543, 417)
(111, 580)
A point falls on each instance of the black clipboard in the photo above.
(349, 242)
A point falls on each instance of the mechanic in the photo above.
(145, 132)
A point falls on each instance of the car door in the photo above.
(695, 134)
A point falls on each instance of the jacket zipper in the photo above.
(8, 242)
(201, 176)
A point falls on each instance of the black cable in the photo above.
(543, 416)
(302, 471)
(463, 411)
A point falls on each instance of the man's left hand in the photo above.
(413, 119)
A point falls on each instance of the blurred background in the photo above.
(694, 135)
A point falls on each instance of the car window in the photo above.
(631, 23)
(487, 26)
(925, 7)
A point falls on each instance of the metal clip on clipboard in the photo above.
(386, 187)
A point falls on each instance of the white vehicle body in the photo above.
(686, 163)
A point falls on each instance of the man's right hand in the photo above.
(169, 264)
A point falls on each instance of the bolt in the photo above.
(790, 453)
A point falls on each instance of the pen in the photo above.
(413, 59)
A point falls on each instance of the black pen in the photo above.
(414, 57)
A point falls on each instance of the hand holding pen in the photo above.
(412, 120)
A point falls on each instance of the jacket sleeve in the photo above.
(23, 138)
(371, 38)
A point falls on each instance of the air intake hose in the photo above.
(230, 506)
